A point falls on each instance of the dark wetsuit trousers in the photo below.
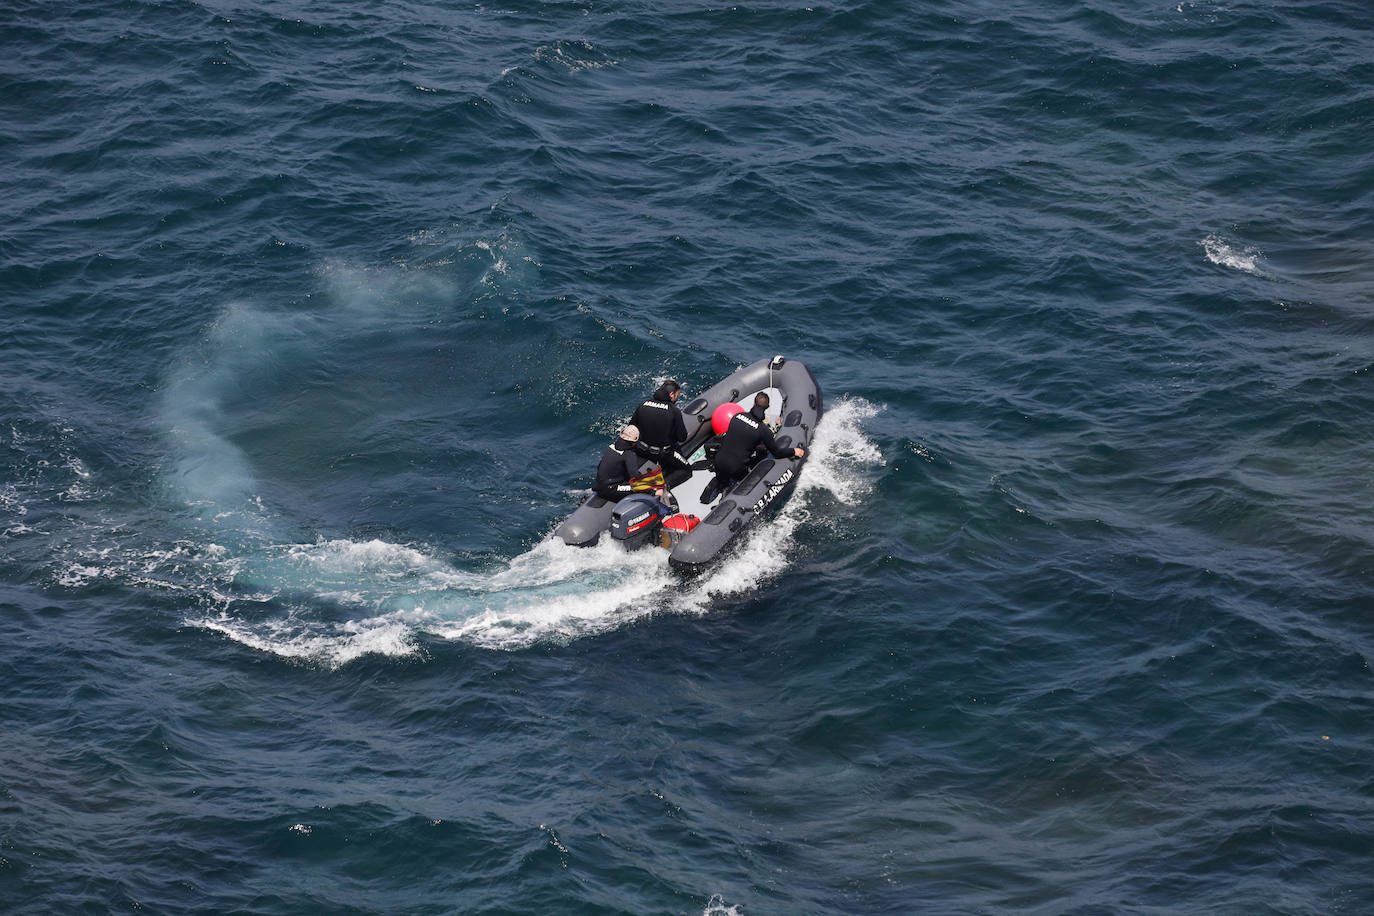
(610, 491)
(727, 475)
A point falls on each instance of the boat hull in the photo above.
(796, 403)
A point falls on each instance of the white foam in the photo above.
(355, 558)
(574, 55)
(841, 454)
(1225, 254)
(76, 493)
(10, 500)
(501, 259)
(716, 907)
(76, 575)
(331, 644)
(552, 593)
(76, 466)
(1206, 12)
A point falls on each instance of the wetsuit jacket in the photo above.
(746, 432)
(618, 464)
(660, 424)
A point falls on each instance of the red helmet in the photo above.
(722, 416)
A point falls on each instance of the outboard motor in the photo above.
(635, 521)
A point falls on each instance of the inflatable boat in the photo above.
(695, 532)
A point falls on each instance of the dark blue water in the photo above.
(315, 319)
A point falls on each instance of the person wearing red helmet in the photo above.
(746, 433)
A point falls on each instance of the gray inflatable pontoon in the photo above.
(795, 403)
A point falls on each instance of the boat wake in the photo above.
(247, 570)
(344, 599)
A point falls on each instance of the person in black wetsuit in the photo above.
(746, 434)
(618, 464)
(662, 430)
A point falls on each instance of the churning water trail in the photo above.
(389, 594)
(266, 583)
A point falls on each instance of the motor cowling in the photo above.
(635, 521)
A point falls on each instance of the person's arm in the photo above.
(772, 445)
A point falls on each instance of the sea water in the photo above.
(316, 318)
